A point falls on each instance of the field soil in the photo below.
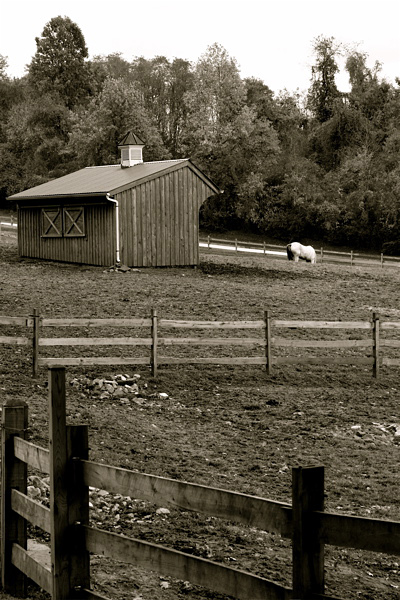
(232, 427)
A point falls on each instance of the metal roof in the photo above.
(99, 181)
(129, 139)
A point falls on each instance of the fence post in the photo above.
(382, 260)
(78, 508)
(154, 337)
(35, 342)
(208, 242)
(13, 475)
(268, 348)
(236, 245)
(351, 258)
(322, 254)
(59, 485)
(375, 344)
(308, 551)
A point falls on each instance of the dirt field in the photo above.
(231, 427)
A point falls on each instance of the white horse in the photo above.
(296, 251)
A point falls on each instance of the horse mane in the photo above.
(290, 254)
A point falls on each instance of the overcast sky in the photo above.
(270, 39)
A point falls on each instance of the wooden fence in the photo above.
(72, 538)
(365, 340)
(271, 250)
(276, 251)
(7, 223)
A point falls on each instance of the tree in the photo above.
(331, 141)
(323, 92)
(260, 98)
(3, 67)
(6, 96)
(374, 98)
(217, 97)
(36, 135)
(58, 66)
(181, 83)
(360, 76)
(114, 66)
(250, 156)
(163, 86)
(156, 90)
(11, 92)
(211, 129)
(97, 130)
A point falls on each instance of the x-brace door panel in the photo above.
(51, 222)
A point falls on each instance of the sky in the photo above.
(271, 40)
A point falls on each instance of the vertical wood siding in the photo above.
(96, 248)
(159, 226)
(160, 220)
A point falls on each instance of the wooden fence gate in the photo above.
(72, 537)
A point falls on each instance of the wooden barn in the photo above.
(140, 214)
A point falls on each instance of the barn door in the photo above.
(74, 223)
(51, 222)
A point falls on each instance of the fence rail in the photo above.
(268, 345)
(173, 563)
(304, 521)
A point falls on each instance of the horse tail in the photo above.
(289, 252)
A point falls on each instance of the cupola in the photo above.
(131, 150)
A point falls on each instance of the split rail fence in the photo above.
(72, 537)
(364, 344)
(276, 251)
(268, 250)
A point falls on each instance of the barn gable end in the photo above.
(160, 219)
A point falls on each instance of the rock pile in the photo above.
(39, 489)
(121, 269)
(125, 388)
(386, 434)
(106, 509)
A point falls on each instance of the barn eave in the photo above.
(55, 197)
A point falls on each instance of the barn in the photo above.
(139, 214)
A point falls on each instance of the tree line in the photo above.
(320, 165)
